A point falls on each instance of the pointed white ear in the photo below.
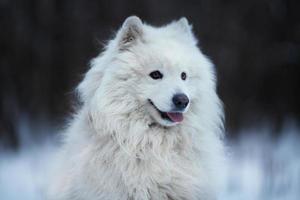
(131, 30)
(184, 25)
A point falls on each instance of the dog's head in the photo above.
(158, 72)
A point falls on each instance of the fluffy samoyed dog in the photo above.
(151, 123)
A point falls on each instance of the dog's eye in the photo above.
(156, 75)
(183, 75)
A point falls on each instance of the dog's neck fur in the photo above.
(139, 134)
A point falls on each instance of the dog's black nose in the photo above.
(180, 101)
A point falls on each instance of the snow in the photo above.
(262, 167)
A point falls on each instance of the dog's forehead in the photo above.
(165, 51)
(161, 61)
(169, 55)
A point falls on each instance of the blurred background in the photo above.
(46, 46)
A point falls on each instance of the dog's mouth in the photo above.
(175, 117)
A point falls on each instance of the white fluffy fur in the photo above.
(118, 148)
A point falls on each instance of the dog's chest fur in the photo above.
(166, 172)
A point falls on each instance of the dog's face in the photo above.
(165, 81)
(168, 95)
(161, 68)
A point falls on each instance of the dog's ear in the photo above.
(130, 32)
(184, 28)
(184, 25)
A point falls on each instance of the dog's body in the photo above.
(151, 123)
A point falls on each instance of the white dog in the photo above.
(151, 123)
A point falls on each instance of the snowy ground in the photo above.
(264, 168)
(260, 167)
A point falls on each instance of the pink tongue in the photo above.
(175, 117)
